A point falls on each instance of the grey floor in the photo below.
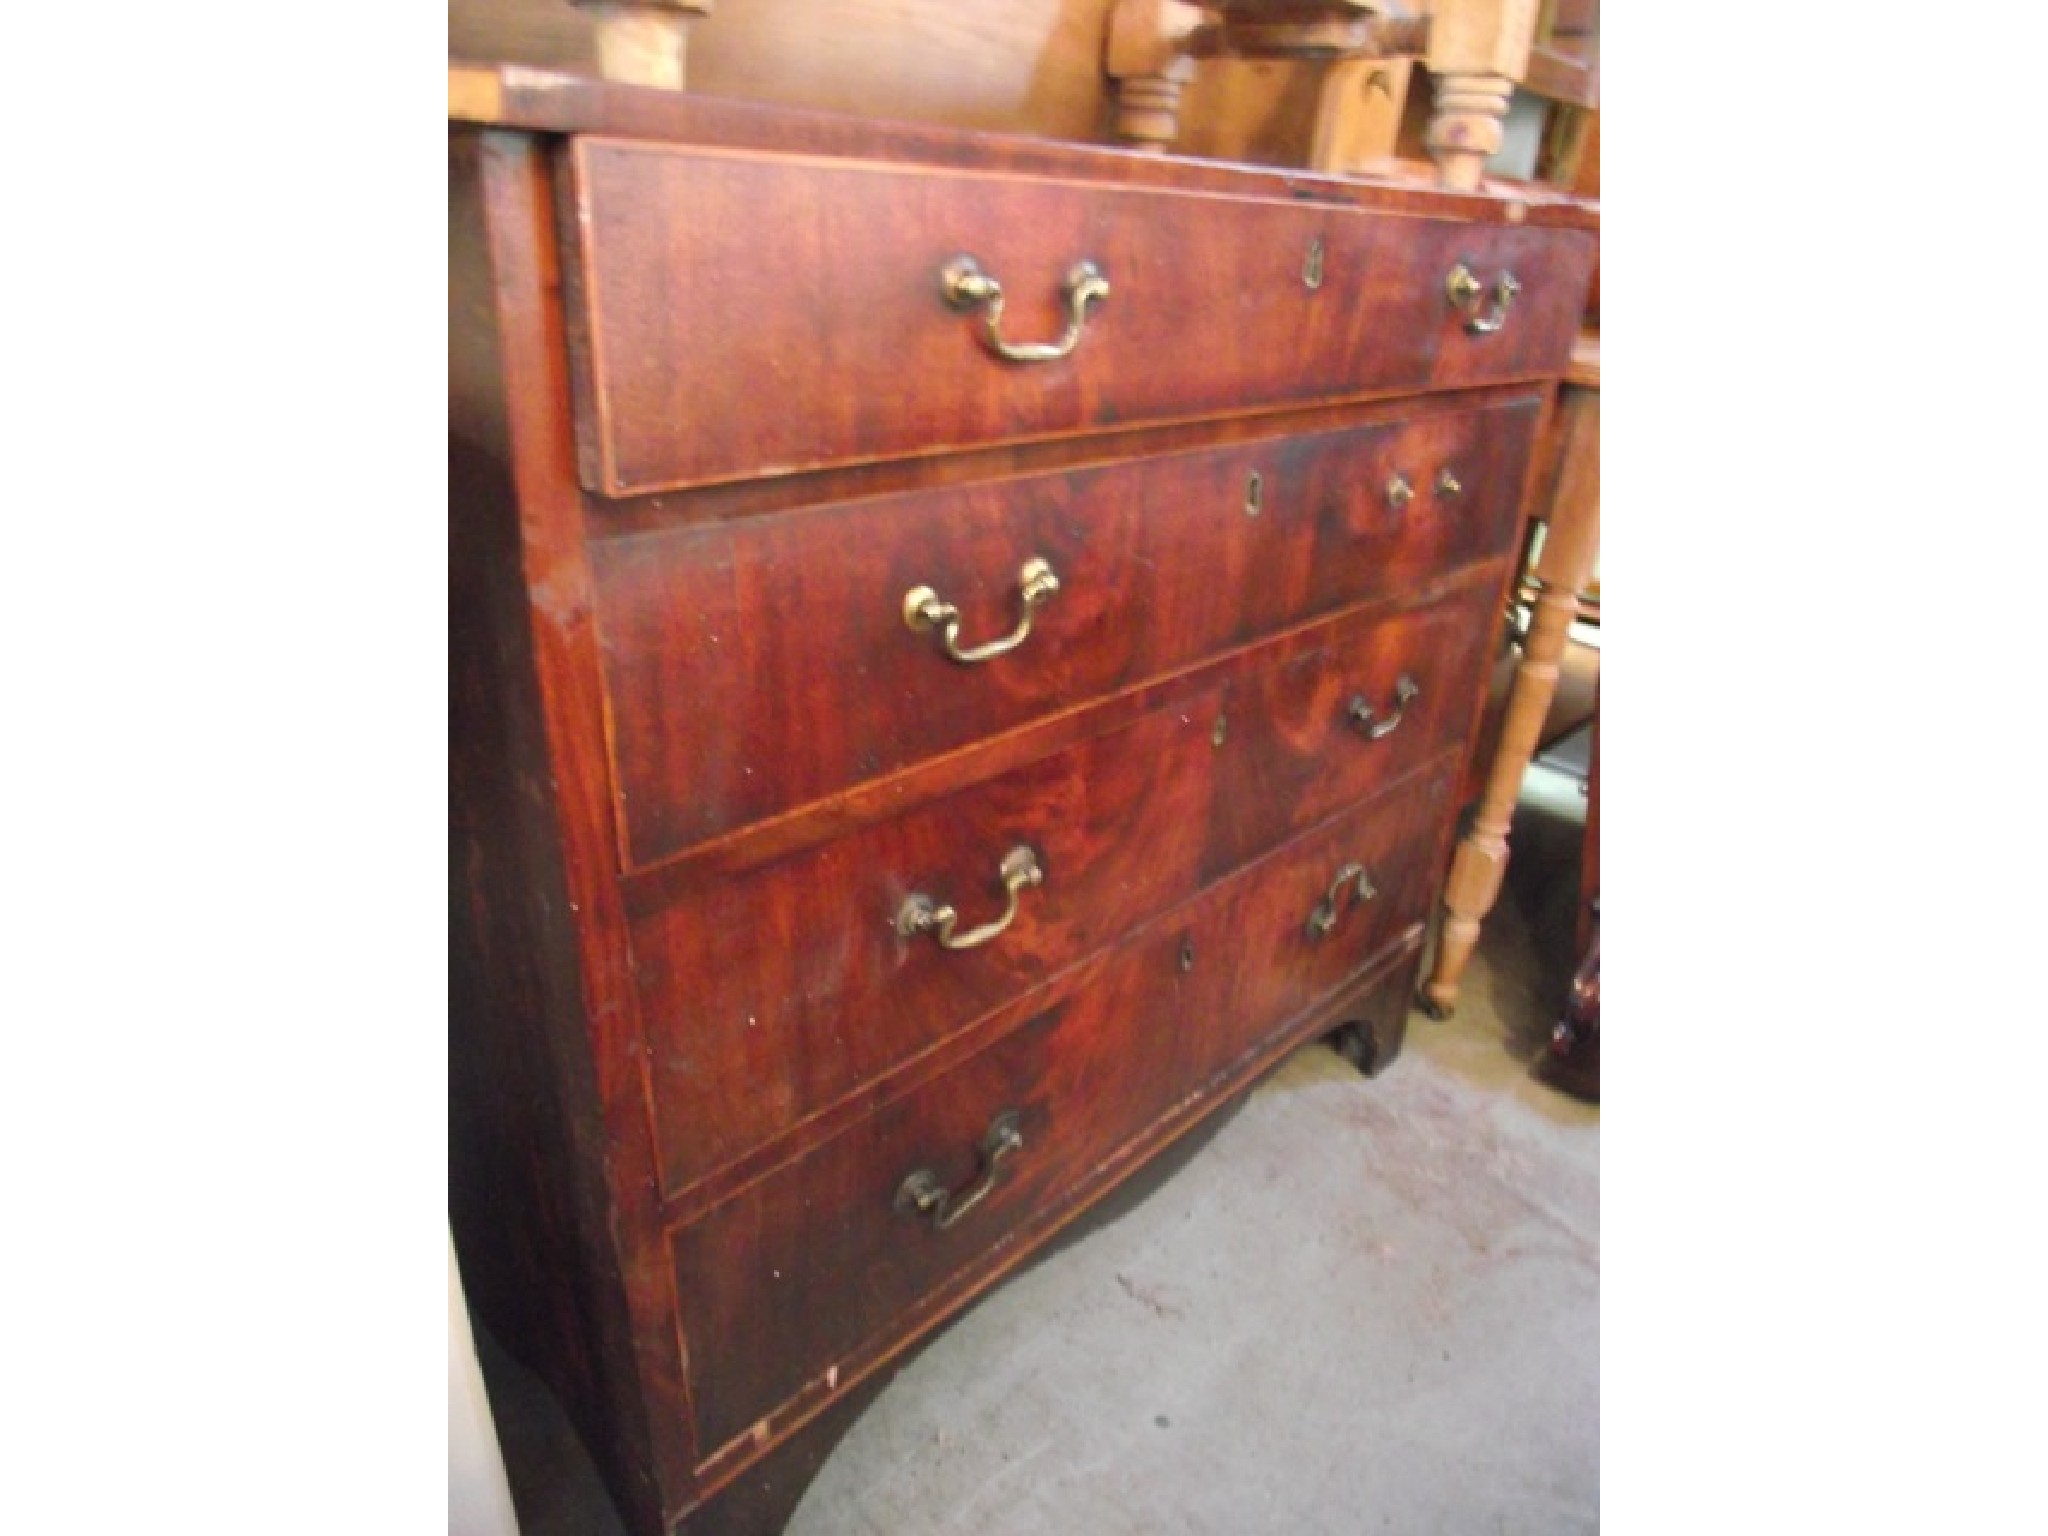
(1362, 1306)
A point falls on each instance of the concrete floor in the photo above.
(1364, 1305)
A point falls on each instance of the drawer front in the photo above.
(1318, 915)
(757, 666)
(1315, 734)
(736, 314)
(802, 1274)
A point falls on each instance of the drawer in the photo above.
(735, 315)
(757, 666)
(1315, 916)
(801, 1276)
(1304, 739)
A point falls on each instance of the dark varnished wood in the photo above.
(532, 1071)
(876, 800)
(836, 315)
(834, 1263)
(1292, 753)
(793, 979)
(790, 977)
(1159, 561)
(652, 827)
(607, 518)
(748, 1493)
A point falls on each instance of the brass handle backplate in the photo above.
(924, 609)
(1468, 293)
(967, 288)
(922, 1194)
(1361, 714)
(920, 914)
(1324, 917)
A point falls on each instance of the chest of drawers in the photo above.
(961, 653)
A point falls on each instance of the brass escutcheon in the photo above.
(1399, 491)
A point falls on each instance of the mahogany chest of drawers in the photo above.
(961, 654)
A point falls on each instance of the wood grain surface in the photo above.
(1188, 997)
(791, 978)
(831, 316)
(698, 759)
(735, 653)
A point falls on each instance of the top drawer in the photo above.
(737, 314)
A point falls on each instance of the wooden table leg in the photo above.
(1562, 570)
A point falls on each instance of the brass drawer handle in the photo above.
(1467, 292)
(920, 914)
(1324, 917)
(967, 288)
(1360, 713)
(922, 1194)
(924, 609)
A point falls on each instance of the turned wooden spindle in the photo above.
(1478, 49)
(1148, 54)
(644, 42)
(1571, 541)
(1153, 45)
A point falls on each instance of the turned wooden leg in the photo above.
(1146, 54)
(1562, 569)
(1477, 50)
(1148, 108)
(1465, 127)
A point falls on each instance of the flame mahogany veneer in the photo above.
(729, 1132)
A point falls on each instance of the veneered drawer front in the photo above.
(795, 979)
(757, 666)
(801, 1274)
(1309, 924)
(745, 314)
(1310, 736)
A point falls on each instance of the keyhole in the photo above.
(1187, 954)
(1312, 268)
(1254, 494)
